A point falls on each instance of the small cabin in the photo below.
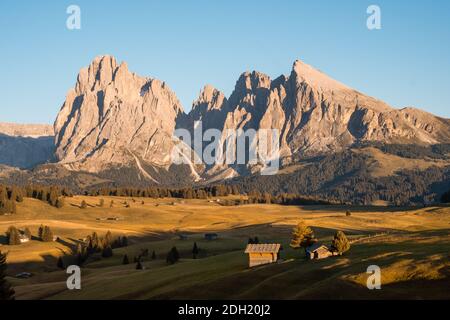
(211, 236)
(260, 254)
(318, 251)
(23, 238)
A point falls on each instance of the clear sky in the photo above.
(190, 43)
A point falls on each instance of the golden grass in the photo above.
(413, 246)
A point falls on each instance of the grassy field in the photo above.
(411, 246)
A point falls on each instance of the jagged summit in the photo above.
(315, 78)
(114, 118)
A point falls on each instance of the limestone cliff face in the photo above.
(316, 114)
(115, 118)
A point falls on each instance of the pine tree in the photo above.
(6, 291)
(153, 255)
(139, 265)
(47, 234)
(195, 251)
(173, 256)
(302, 236)
(125, 260)
(124, 241)
(13, 236)
(101, 203)
(107, 252)
(60, 263)
(83, 205)
(60, 202)
(108, 239)
(340, 243)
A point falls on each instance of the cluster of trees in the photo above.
(173, 256)
(303, 237)
(13, 234)
(95, 244)
(160, 192)
(50, 194)
(45, 233)
(6, 290)
(8, 199)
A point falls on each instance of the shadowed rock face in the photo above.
(113, 117)
(25, 152)
(316, 114)
(26, 145)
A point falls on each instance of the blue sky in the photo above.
(191, 43)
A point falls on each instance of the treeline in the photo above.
(158, 192)
(252, 197)
(8, 199)
(53, 195)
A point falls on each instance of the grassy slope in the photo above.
(414, 257)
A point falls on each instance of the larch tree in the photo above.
(340, 243)
(302, 236)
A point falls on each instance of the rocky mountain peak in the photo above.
(115, 117)
(304, 73)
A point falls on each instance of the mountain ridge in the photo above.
(114, 120)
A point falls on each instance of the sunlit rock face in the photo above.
(114, 117)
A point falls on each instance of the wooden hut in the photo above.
(318, 251)
(211, 236)
(259, 254)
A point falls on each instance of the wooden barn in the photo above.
(318, 251)
(259, 254)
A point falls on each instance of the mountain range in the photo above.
(116, 127)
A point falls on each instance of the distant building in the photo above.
(211, 236)
(182, 237)
(23, 238)
(318, 251)
(259, 254)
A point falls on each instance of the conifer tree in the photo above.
(41, 231)
(340, 243)
(6, 291)
(125, 260)
(13, 236)
(302, 236)
(195, 251)
(107, 252)
(47, 234)
(60, 263)
(153, 255)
